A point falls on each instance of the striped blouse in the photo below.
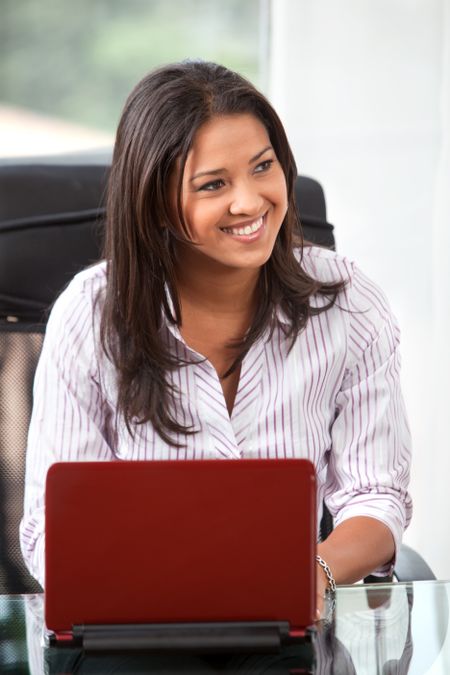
(334, 398)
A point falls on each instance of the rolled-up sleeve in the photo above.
(69, 421)
(369, 464)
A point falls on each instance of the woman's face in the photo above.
(234, 195)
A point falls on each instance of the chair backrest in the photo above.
(50, 228)
(310, 200)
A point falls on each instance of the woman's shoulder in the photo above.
(81, 295)
(360, 294)
(92, 278)
(324, 264)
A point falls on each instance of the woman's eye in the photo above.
(212, 185)
(264, 166)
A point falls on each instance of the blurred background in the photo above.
(363, 89)
(66, 68)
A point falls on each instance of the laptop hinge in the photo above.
(260, 637)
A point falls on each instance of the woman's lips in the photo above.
(248, 232)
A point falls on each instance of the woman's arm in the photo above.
(68, 421)
(353, 550)
(356, 547)
(368, 469)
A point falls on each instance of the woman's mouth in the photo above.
(247, 232)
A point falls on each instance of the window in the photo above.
(66, 68)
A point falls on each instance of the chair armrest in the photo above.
(410, 566)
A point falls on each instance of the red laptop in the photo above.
(210, 554)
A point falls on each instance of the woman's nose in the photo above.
(245, 200)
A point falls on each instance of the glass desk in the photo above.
(378, 629)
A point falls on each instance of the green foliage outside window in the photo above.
(79, 60)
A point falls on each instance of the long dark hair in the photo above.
(156, 131)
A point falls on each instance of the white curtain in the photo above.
(363, 88)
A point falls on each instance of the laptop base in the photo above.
(250, 637)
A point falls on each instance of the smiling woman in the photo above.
(211, 330)
(181, 123)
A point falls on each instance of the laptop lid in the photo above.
(166, 542)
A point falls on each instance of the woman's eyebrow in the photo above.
(211, 172)
(259, 154)
(215, 172)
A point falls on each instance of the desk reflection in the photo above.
(386, 629)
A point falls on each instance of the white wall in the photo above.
(362, 88)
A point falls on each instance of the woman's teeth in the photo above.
(248, 229)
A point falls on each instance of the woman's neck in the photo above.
(220, 291)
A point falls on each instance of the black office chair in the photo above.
(313, 213)
(51, 227)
